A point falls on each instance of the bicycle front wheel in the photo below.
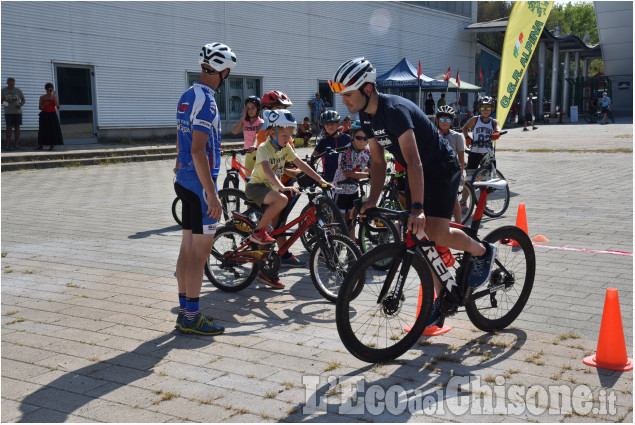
(373, 328)
(232, 200)
(327, 210)
(228, 274)
(329, 263)
(495, 306)
(467, 200)
(498, 200)
(177, 211)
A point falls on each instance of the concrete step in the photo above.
(79, 162)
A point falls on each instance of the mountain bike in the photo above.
(235, 168)
(235, 261)
(592, 116)
(498, 199)
(376, 305)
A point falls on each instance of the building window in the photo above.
(230, 97)
(326, 94)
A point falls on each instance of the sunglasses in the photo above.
(360, 138)
(337, 87)
(486, 108)
(448, 120)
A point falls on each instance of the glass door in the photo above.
(75, 89)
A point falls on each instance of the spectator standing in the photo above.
(12, 100)
(529, 113)
(441, 102)
(606, 109)
(429, 105)
(198, 164)
(317, 107)
(49, 131)
(250, 124)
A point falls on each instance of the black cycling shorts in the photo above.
(345, 201)
(192, 216)
(441, 185)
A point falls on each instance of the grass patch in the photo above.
(72, 285)
(568, 335)
(4, 254)
(28, 272)
(624, 136)
(270, 395)
(332, 366)
(165, 396)
(535, 358)
(288, 385)
(18, 320)
(11, 313)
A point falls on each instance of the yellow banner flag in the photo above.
(524, 28)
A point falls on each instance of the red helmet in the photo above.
(275, 98)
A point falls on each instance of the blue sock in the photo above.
(182, 303)
(191, 309)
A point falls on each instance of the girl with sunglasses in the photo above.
(353, 163)
(484, 129)
(444, 119)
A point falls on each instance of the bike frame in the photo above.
(236, 166)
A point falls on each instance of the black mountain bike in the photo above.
(390, 288)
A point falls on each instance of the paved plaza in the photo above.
(89, 303)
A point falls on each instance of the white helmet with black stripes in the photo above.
(218, 56)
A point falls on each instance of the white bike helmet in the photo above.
(218, 56)
(278, 118)
(352, 75)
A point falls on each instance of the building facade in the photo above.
(119, 68)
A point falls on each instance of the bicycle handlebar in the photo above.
(233, 152)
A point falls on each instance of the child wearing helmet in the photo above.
(353, 163)
(444, 119)
(265, 187)
(484, 129)
(334, 138)
(250, 124)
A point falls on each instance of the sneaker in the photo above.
(181, 316)
(261, 237)
(291, 262)
(435, 315)
(273, 283)
(533, 128)
(482, 266)
(200, 326)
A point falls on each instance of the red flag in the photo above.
(448, 75)
(480, 78)
(458, 82)
(419, 70)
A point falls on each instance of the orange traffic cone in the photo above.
(432, 330)
(611, 352)
(521, 221)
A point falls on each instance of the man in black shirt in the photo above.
(399, 126)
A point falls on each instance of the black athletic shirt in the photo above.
(396, 115)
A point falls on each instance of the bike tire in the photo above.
(330, 260)
(177, 211)
(226, 275)
(516, 268)
(590, 117)
(498, 200)
(232, 200)
(377, 231)
(328, 211)
(374, 331)
(470, 201)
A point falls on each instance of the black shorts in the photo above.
(13, 120)
(441, 184)
(529, 117)
(345, 202)
(473, 160)
(193, 217)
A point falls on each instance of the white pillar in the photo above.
(565, 83)
(585, 68)
(576, 72)
(554, 78)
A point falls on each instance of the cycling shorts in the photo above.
(473, 162)
(345, 201)
(194, 215)
(441, 185)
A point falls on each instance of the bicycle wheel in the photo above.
(467, 204)
(377, 231)
(498, 200)
(497, 305)
(373, 330)
(329, 263)
(228, 275)
(232, 200)
(177, 211)
(328, 212)
(317, 164)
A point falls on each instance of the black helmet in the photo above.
(329, 116)
(254, 99)
(445, 110)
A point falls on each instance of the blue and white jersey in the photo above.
(197, 110)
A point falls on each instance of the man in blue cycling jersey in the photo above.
(399, 126)
(198, 164)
